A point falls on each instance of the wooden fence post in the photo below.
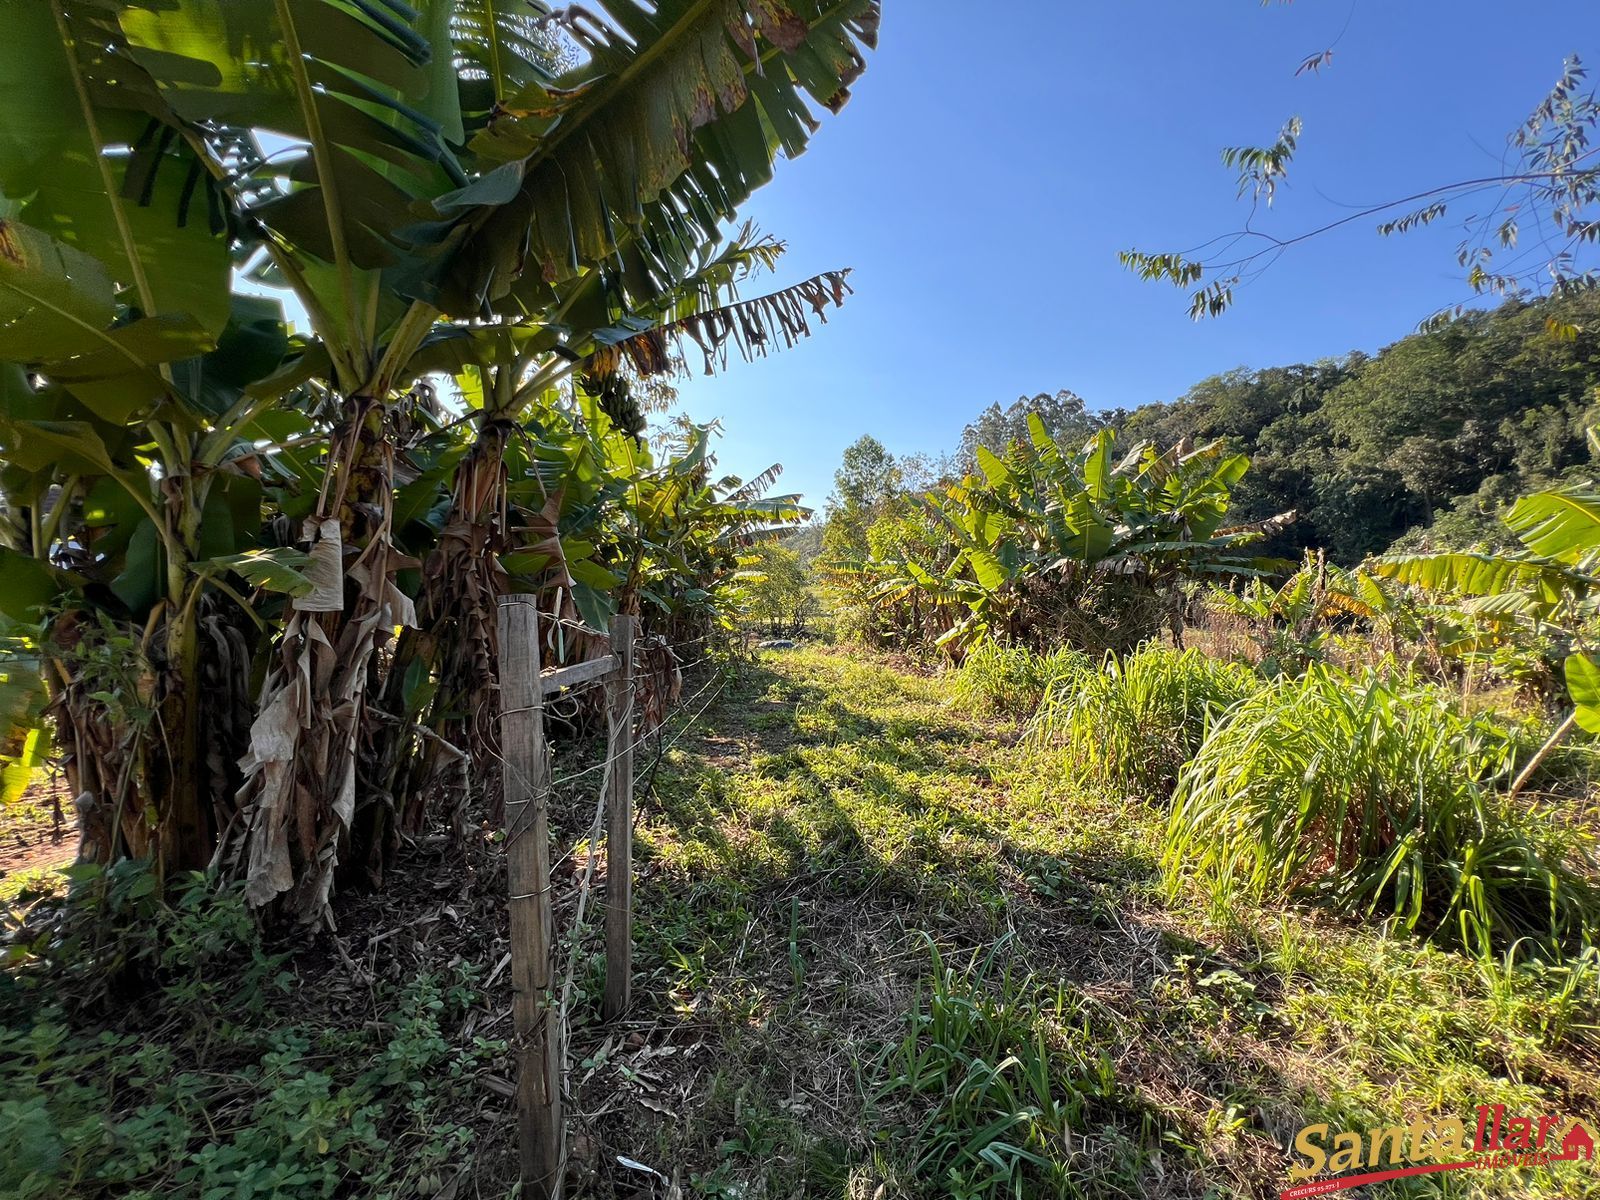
(527, 794)
(619, 822)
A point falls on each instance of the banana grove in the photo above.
(1542, 599)
(1047, 545)
(320, 322)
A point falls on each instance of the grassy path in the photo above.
(886, 952)
(856, 902)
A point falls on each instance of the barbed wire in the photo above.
(641, 742)
(523, 820)
(621, 741)
(551, 619)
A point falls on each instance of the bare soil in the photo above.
(37, 833)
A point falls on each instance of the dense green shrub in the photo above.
(114, 934)
(1136, 721)
(1012, 680)
(1381, 798)
(287, 1111)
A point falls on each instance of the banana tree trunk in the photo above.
(184, 836)
(148, 724)
(153, 772)
(102, 757)
(461, 586)
(300, 799)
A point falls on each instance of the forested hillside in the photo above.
(1431, 437)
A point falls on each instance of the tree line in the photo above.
(1427, 441)
(1421, 446)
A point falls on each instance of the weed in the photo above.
(1379, 799)
(1213, 998)
(1136, 721)
(1011, 681)
(215, 1094)
(995, 1081)
(295, 1112)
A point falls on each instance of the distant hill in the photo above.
(1425, 441)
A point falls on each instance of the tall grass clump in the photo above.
(1001, 680)
(1134, 723)
(997, 1081)
(1380, 798)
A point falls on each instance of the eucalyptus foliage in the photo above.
(1547, 189)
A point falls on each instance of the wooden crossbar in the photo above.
(560, 678)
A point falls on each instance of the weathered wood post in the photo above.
(619, 822)
(527, 795)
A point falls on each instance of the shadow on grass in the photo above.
(795, 788)
(823, 818)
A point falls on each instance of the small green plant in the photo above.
(113, 937)
(297, 1111)
(1212, 998)
(1540, 1001)
(1136, 721)
(1380, 799)
(996, 1080)
(1013, 680)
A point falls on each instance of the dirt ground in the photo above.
(36, 833)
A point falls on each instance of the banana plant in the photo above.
(1291, 622)
(531, 456)
(674, 547)
(150, 519)
(1043, 526)
(130, 397)
(394, 170)
(1548, 590)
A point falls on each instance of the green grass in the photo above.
(992, 1079)
(1381, 800)
(885, 951)
(1134, 723)
(1097, 1033)
(1012, 680)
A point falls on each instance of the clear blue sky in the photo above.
(995, 158)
